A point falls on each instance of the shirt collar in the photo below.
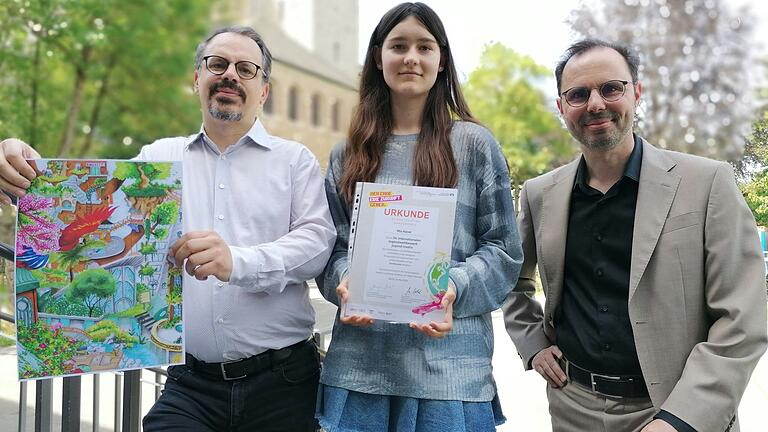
(257, 134)
(631, 170)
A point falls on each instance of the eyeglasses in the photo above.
(218, 65)
(610, 91)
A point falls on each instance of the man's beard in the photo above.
(224, 115)
(608, 139)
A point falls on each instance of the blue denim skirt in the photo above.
(341, 410)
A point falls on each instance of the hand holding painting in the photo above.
(15, 171)
(207, 254)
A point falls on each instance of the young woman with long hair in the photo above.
(412, 126)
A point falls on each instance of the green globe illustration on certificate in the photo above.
(400, 248)
(437, 282)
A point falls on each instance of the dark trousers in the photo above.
(278, 399)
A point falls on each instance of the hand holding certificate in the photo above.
(400, 246)
(440, 329)
(433, 329)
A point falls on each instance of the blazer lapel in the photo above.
(655, 194)
(556, 199)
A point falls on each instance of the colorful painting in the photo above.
(95, 290)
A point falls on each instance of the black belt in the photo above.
(628, 386)
(238, 369)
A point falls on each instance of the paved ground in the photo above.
(522, 393)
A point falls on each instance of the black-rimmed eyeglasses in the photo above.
(610, 91)
(218, 65)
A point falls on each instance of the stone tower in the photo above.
(336, 33)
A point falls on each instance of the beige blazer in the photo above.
(697, 300)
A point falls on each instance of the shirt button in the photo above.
(606, 347)
(220, 320)
(221, 185)
(224, 157)
(603, 308)
(220, 284)
(599, 272)
(599, 237)
(220, 217)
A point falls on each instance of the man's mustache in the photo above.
(588, 118)
(227, 84)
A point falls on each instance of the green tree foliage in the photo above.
(756, 194)
(165, 214)
(91, 287)
(148, 248)
(98, 77)
(147, 270)
(172, 298)
(753, 170)
(141, 288)
(503, 92)
(71, 258)
(107, 329)
(143, 172)
(66, 306)
(755, 158)
(7, 236)
(51, 278)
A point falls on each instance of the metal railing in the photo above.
(127, 397)
(127, 393)
(127, 412)
(128, 386)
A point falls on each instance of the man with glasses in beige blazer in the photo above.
(655, 311)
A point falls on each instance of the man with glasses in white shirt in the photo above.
(256, 228)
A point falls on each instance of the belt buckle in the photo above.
(224, 371)
(592, 380)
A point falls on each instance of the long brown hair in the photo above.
(372, 122)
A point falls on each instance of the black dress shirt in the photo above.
(592, 321)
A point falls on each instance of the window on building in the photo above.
(293, 103)
(316, 114)
(335, 122)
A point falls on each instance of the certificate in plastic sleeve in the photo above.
(400, 252)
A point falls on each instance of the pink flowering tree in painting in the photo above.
(36, 230)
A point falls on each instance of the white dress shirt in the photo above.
(264, 196)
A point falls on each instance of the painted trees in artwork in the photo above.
(162, 217)
(36, 230)
(144, 176)
(142, 189)
(173, 297)
(73, 257)
(91, 287)
(94, 289)
(147, 270)
(148, 248)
